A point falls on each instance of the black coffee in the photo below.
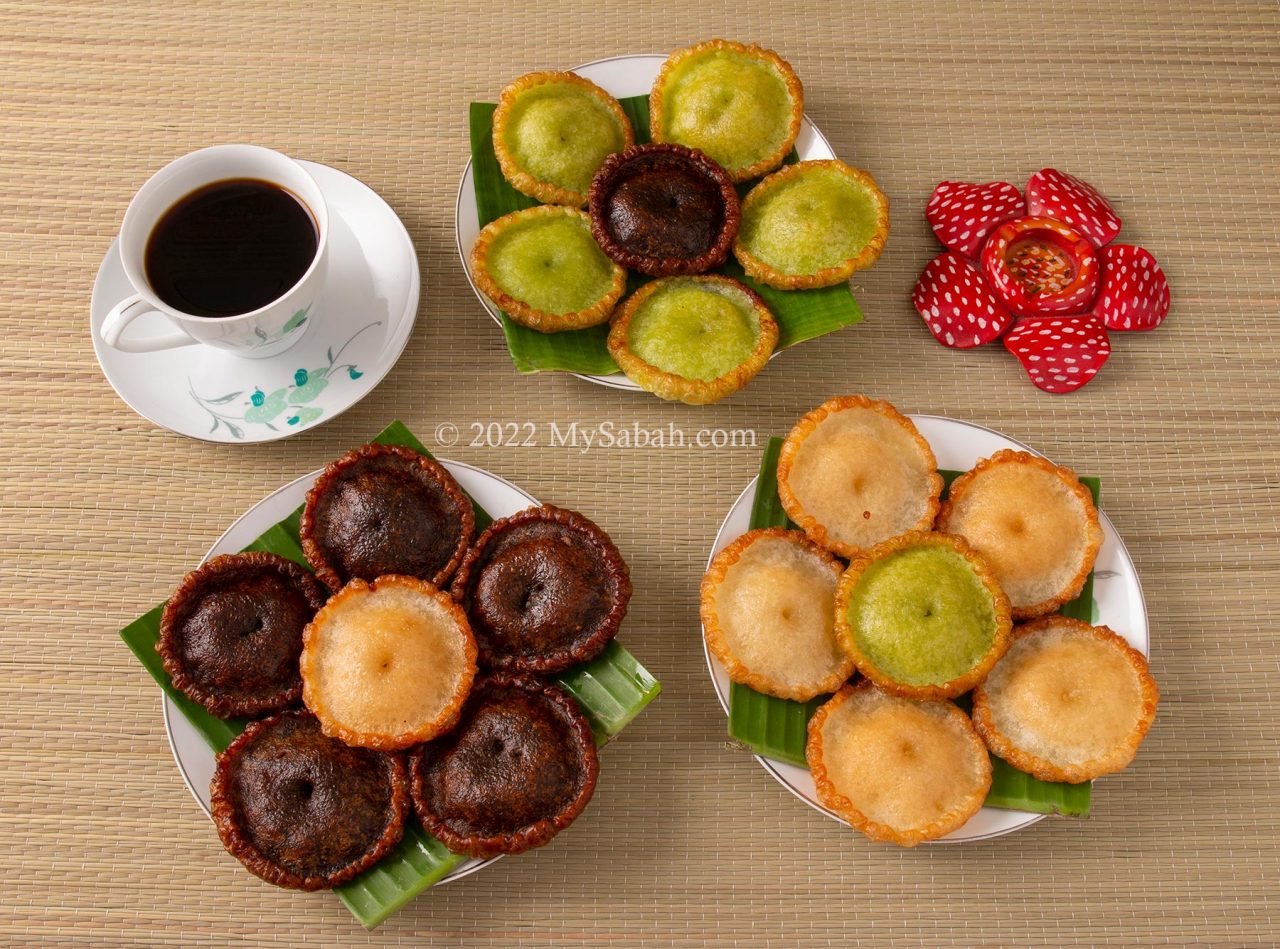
(230, 247)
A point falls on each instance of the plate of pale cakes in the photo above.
(924, 628)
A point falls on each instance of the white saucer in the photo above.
(1117, 597)
(620, 76)
(362, 324)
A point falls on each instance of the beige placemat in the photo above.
(1171, 110)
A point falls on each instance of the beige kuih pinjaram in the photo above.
(388, 664)
(1033, 521)
(855, 472)
(897, 769)
(768, 613)
(1067, 702)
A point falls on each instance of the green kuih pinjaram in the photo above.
(695, 330)
(809, 222)
(560, 133)
(902, 641)
(553, 264)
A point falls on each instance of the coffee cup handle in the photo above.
(124, 313)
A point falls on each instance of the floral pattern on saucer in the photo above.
(287, 405)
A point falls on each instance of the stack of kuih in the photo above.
(923, 612)
(409, 673)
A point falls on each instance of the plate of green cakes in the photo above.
(670, 203)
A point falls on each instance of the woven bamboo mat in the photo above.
(1172, 112)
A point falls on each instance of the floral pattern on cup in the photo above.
(266, 339)
(288, 405)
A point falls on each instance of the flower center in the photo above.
(1040, 265)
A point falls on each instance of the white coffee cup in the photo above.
(266, 331)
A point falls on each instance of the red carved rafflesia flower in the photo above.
(1041, 272)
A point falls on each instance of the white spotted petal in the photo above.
(1063, 197)
(1060, 353)
(963, 214)
(957, 303)
(1135, 293)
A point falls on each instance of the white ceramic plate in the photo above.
(1116, 592)
(500, 498)
(363, 320)
(620, 76)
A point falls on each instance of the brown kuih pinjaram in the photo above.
(383, 509)
(544, 589)
(305, 811)
(664, 210)
(517, 769)
(231, 634)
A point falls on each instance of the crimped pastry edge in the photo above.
(520, 311)
(424, 731)
(1093, 529)
(175, 611)
(605, 183)
(837, 802)
(757, 269)
(540, 832)
(795, 91)
(1122, 755)
(518, 178)
(585, 649)
(326, 571)
(239, 846)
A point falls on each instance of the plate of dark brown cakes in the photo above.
(414, 686)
